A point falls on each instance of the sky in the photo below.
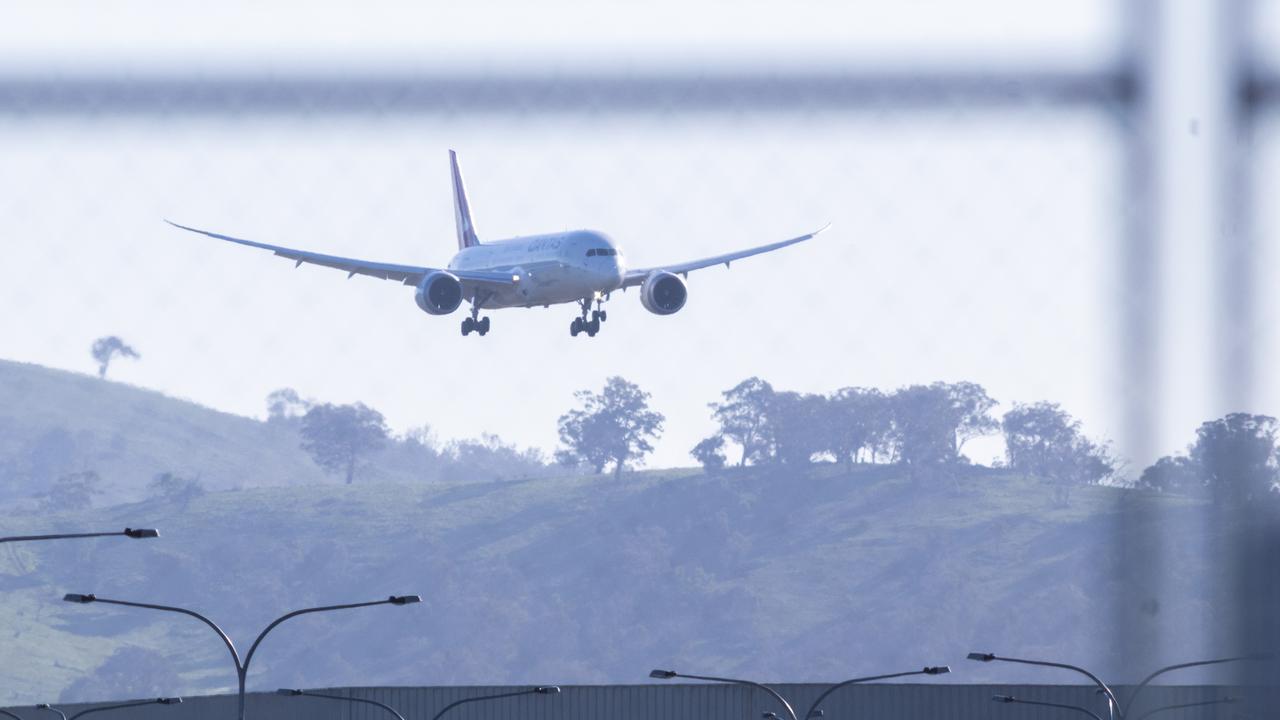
(966, 244)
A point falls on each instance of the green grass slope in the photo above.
(53, 422)
(792, 576)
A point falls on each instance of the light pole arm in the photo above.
(226, 640)
(6, 713)
(258, 641)
(776, 695)
(872, 678)
(1076, 708)
(1137, 689)
(464, 701)
(122, 706)
(127, 532)
(366, 701)
(1149, 713)
(1111, 696)
(52, 709)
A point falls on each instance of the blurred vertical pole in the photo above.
(1245, 535)
(1137, 572)
(1256, 537)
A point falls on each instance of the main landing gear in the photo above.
(479, 327)
(592, 326)
(475, 323)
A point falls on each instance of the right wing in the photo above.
(637, 276)
(407, 274)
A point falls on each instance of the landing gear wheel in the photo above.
(604, 315)
(482, 327)
(593, 327)
(467, 326)
(575, 327)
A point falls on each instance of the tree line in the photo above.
(920, 428)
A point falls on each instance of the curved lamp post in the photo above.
(1149, 713)
(1012, 699)
(242, 666)
(542, 690)
(135, 533)
(117, 706)
(815, 712)
(669, 674)
(375, 703)
(1137, 689)
(6, 713)
(1113, 705)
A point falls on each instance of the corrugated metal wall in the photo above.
(676, 702)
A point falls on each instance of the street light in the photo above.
(815, 712)
(1137, 689)
(669, 674)
(135, 533)
(304, 693)
(1149, 713)
(542, 690)
(242, 667)
(118, 706)
(1012, 699)
(1113, 705)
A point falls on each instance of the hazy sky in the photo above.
(965, 245)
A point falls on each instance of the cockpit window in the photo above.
(591, 252)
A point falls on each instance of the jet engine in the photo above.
(663, 293)
(439, 293)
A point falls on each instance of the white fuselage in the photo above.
(556, 268)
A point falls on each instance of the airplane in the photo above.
(577, 266)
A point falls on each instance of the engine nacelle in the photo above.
(439, 293)
(663, 293)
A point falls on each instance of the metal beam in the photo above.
(712, 91)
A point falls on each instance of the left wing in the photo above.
(637, 276)
(407, 274)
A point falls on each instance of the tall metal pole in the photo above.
(375, 703)
(1113, 705)
(135, 533)
(668, 674)
(939, 670)
(544, 690)
(242, 666)
(6, 713)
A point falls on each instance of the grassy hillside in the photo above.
(53, 422)
(822, 572)
(577, 579)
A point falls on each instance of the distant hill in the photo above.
(825, 574)
(814, 573)
(53, 422)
